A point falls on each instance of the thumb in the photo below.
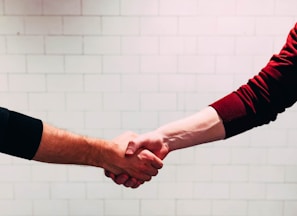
(131, 148)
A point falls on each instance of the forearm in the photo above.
(202, 127)
(63, 147)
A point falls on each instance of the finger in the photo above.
(107, 173)
(137, 184)
(157, 163)
(110, 175)
(122, 178)
(131, 182)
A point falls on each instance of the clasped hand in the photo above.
(147, 151)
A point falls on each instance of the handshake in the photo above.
(140, 158)
(142, 155)
(130, 159)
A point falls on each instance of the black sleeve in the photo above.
(20, 135)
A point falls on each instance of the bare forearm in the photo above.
(202, 127)
(63, 147)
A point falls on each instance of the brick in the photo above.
(147, 191)
(102, 83)
(140, 83)
(69, 120)
(230, 207)
(217, 7)
(249, 45)
(193, 173)
(236, 26)
(197, 26)
(86, 207)
(84, 101)
(196, 64)
(267, 174)
(7, 191)
(14, 101)
(282, 9)
(66, 190)
(182, 190)
(34, 190)
(290, 208)
(159, 26)
(281, 156)
(49, 173)
(136, 119)
(65, 83)
(158, 64)
(48, 207)
(43, 25)
(281, 191)
(27, 83)
(120, 26)
(133, 45)
(121, 65)
(247, 191)
(103, 120)
(164, 101)
(84, 174)
(157, 207)
(50, 101)
(2, 45)
(255, 8)
(8, 64)
(193, 207)
(273, 26)
(230, 173)
(174, 45)
(179, 7)
(101, 7)
(213, 156)
(128, 207)
(103, 190)
(265, 208)
(56, 7)
(23, 7)
(11, 25)
(82, 25)
(25, 45)
(139, 7)
(45, 64)
(178, 83)
(16, 207)
(83, 64)
(211, 191)
(251, 156)
(216, 46)
(63, 45)
(102, 45)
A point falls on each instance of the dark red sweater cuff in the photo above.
(233, 113)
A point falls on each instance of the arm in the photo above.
(26, 137)
(202, 127)
(256, 103)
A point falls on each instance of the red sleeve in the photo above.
(265, 95)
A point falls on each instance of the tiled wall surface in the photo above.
(101, 67)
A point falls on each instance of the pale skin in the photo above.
(203, 127)
(63, 147)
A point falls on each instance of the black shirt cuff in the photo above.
(20, 135)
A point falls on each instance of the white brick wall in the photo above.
(100, 67)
